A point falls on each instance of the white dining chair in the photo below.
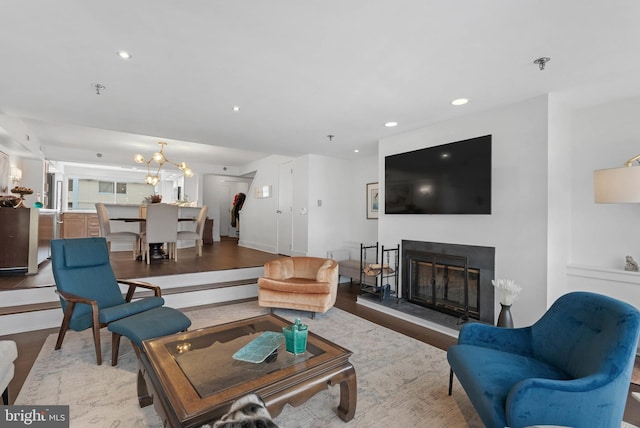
(105, 231)
(189, 235)
(161, 227)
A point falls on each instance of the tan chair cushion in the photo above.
(305, 283)
(295, 285)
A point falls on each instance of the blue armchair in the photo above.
(571, 368)
(89, 292)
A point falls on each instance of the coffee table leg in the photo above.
(144, 399)
(348, 396)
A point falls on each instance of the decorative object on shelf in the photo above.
(295, 337)
(21, 190)
(9, 201)
(372, 200)
(264, 348)
(38, 203)
(153, 199)
(508, 293)
(631, 265)
(161, 159)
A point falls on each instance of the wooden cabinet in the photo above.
(80, 225)
(93, 226)
(19, 235)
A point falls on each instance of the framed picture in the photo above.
(372, 200)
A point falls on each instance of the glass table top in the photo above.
(207, 360)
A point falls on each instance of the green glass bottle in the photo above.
(38, 203)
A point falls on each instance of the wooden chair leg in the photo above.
(65, 324)
(96, 331)
(313, 315)
(450, 380)
(115, 348)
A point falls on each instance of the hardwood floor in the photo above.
(30, 344)
(221, 255)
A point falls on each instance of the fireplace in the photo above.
(449, 278)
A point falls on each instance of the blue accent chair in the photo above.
(571, 368)
(89, 292)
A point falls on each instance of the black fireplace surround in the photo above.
(450, 278)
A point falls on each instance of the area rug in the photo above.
(401, 381)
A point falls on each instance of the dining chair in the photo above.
(105, 231)
(161, 226)
(189, 235)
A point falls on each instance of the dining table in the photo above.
(156, 252)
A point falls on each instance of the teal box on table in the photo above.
(295, 337)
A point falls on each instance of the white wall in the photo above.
(360, 229)
(328, 202)
(300, 212)
(517, 227)
(559, 191)
(258, 216)
(339, 222)
(604, 136)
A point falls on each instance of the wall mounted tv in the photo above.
(453, 178)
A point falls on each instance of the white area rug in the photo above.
(402, 382)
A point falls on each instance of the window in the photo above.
(105, 187)
(121, 188)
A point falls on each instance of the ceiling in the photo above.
(299, 71)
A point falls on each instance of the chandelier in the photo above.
(160, 159)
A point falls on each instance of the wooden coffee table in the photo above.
(192, 379)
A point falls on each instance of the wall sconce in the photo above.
(15, 174)
(617, 185)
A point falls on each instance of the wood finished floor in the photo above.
(221, 255)
(30, 344)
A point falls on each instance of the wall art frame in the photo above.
(373, 201)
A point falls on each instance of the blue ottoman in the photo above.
(157, 322)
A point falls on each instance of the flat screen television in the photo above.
(453, 178)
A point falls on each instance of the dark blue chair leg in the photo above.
(450, 380)
(5, 396)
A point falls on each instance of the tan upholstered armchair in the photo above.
(304, 283)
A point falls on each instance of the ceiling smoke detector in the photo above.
(542, 62)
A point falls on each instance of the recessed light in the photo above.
(356, 151)
(236, 108)
(391, 124)
(459, 101)
(124, 54)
